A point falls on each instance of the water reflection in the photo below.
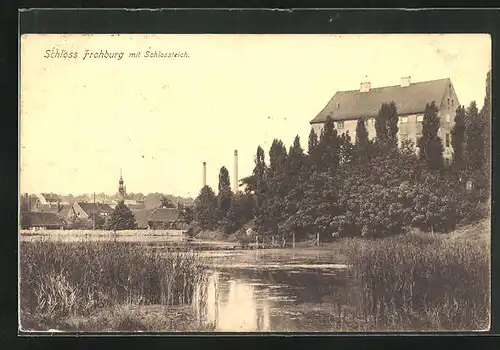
(233, 305)
(262, 300)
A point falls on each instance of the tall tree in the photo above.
(225, 193)
(430, 144)
(386, 124)
(313, 156)
(313, 141)
(487, 120)
(329, 147)
(392, 125)
(206, 210)
(278, 184)
(296, 160)
(362, 141)
(458, 138)
(474, 138)
(346, 148)
(259, 180)
(121, 218)
(239, 213)
(277, 175)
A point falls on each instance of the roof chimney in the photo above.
(405, 81)
(235, 176)
(365, 86)
(204, 175)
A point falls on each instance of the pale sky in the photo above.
(159, 118)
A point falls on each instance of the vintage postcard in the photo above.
(255, 183)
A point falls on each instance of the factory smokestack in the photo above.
(235, 176)
(204, 175)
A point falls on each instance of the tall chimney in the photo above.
(204, 174)
(235, 176)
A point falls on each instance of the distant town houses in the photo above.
(41, 220)
(42, 203)
(346, 107)
(48, 211)
(167, 218)
(85, 211)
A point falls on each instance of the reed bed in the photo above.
(60, 280)
(420, 282)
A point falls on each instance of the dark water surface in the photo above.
(275, 291)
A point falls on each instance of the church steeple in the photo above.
(122, 190)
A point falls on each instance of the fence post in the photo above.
(256, 242)
(317, 238)
(293, 240)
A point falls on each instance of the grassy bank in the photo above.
(65, 281)
(420, 282)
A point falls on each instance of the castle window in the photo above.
(420, 118)
(337, 105)
(452, 103)
(340, 125)
(403, 120)
(448, 102)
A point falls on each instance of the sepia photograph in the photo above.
(254, 183)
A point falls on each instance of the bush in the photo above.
(193, 229)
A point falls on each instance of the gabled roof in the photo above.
(35, 219)
(51, 197)
(98, 208)
(409, 100)
(165, 215)
(142, 217)
(65, 211)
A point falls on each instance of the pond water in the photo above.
(275, 291)
(261, 290)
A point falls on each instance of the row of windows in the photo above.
(420, 119)
(402, 120)
(447, 140)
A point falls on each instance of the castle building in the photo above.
(346, 107)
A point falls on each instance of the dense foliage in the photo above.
(121, 218)
(206, 209)
(370, 188)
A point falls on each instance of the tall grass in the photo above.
(67, 279)
(422, 282)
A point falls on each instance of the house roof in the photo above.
(99, 208)
(65, 211)
(51, 197)
(142, 217)
(354, 104)
(165, 215)
(42, 219)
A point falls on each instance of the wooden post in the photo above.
(256, 242)
(273, 241)
(317, 238)
(293, 240)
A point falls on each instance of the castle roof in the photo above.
(412, 99)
